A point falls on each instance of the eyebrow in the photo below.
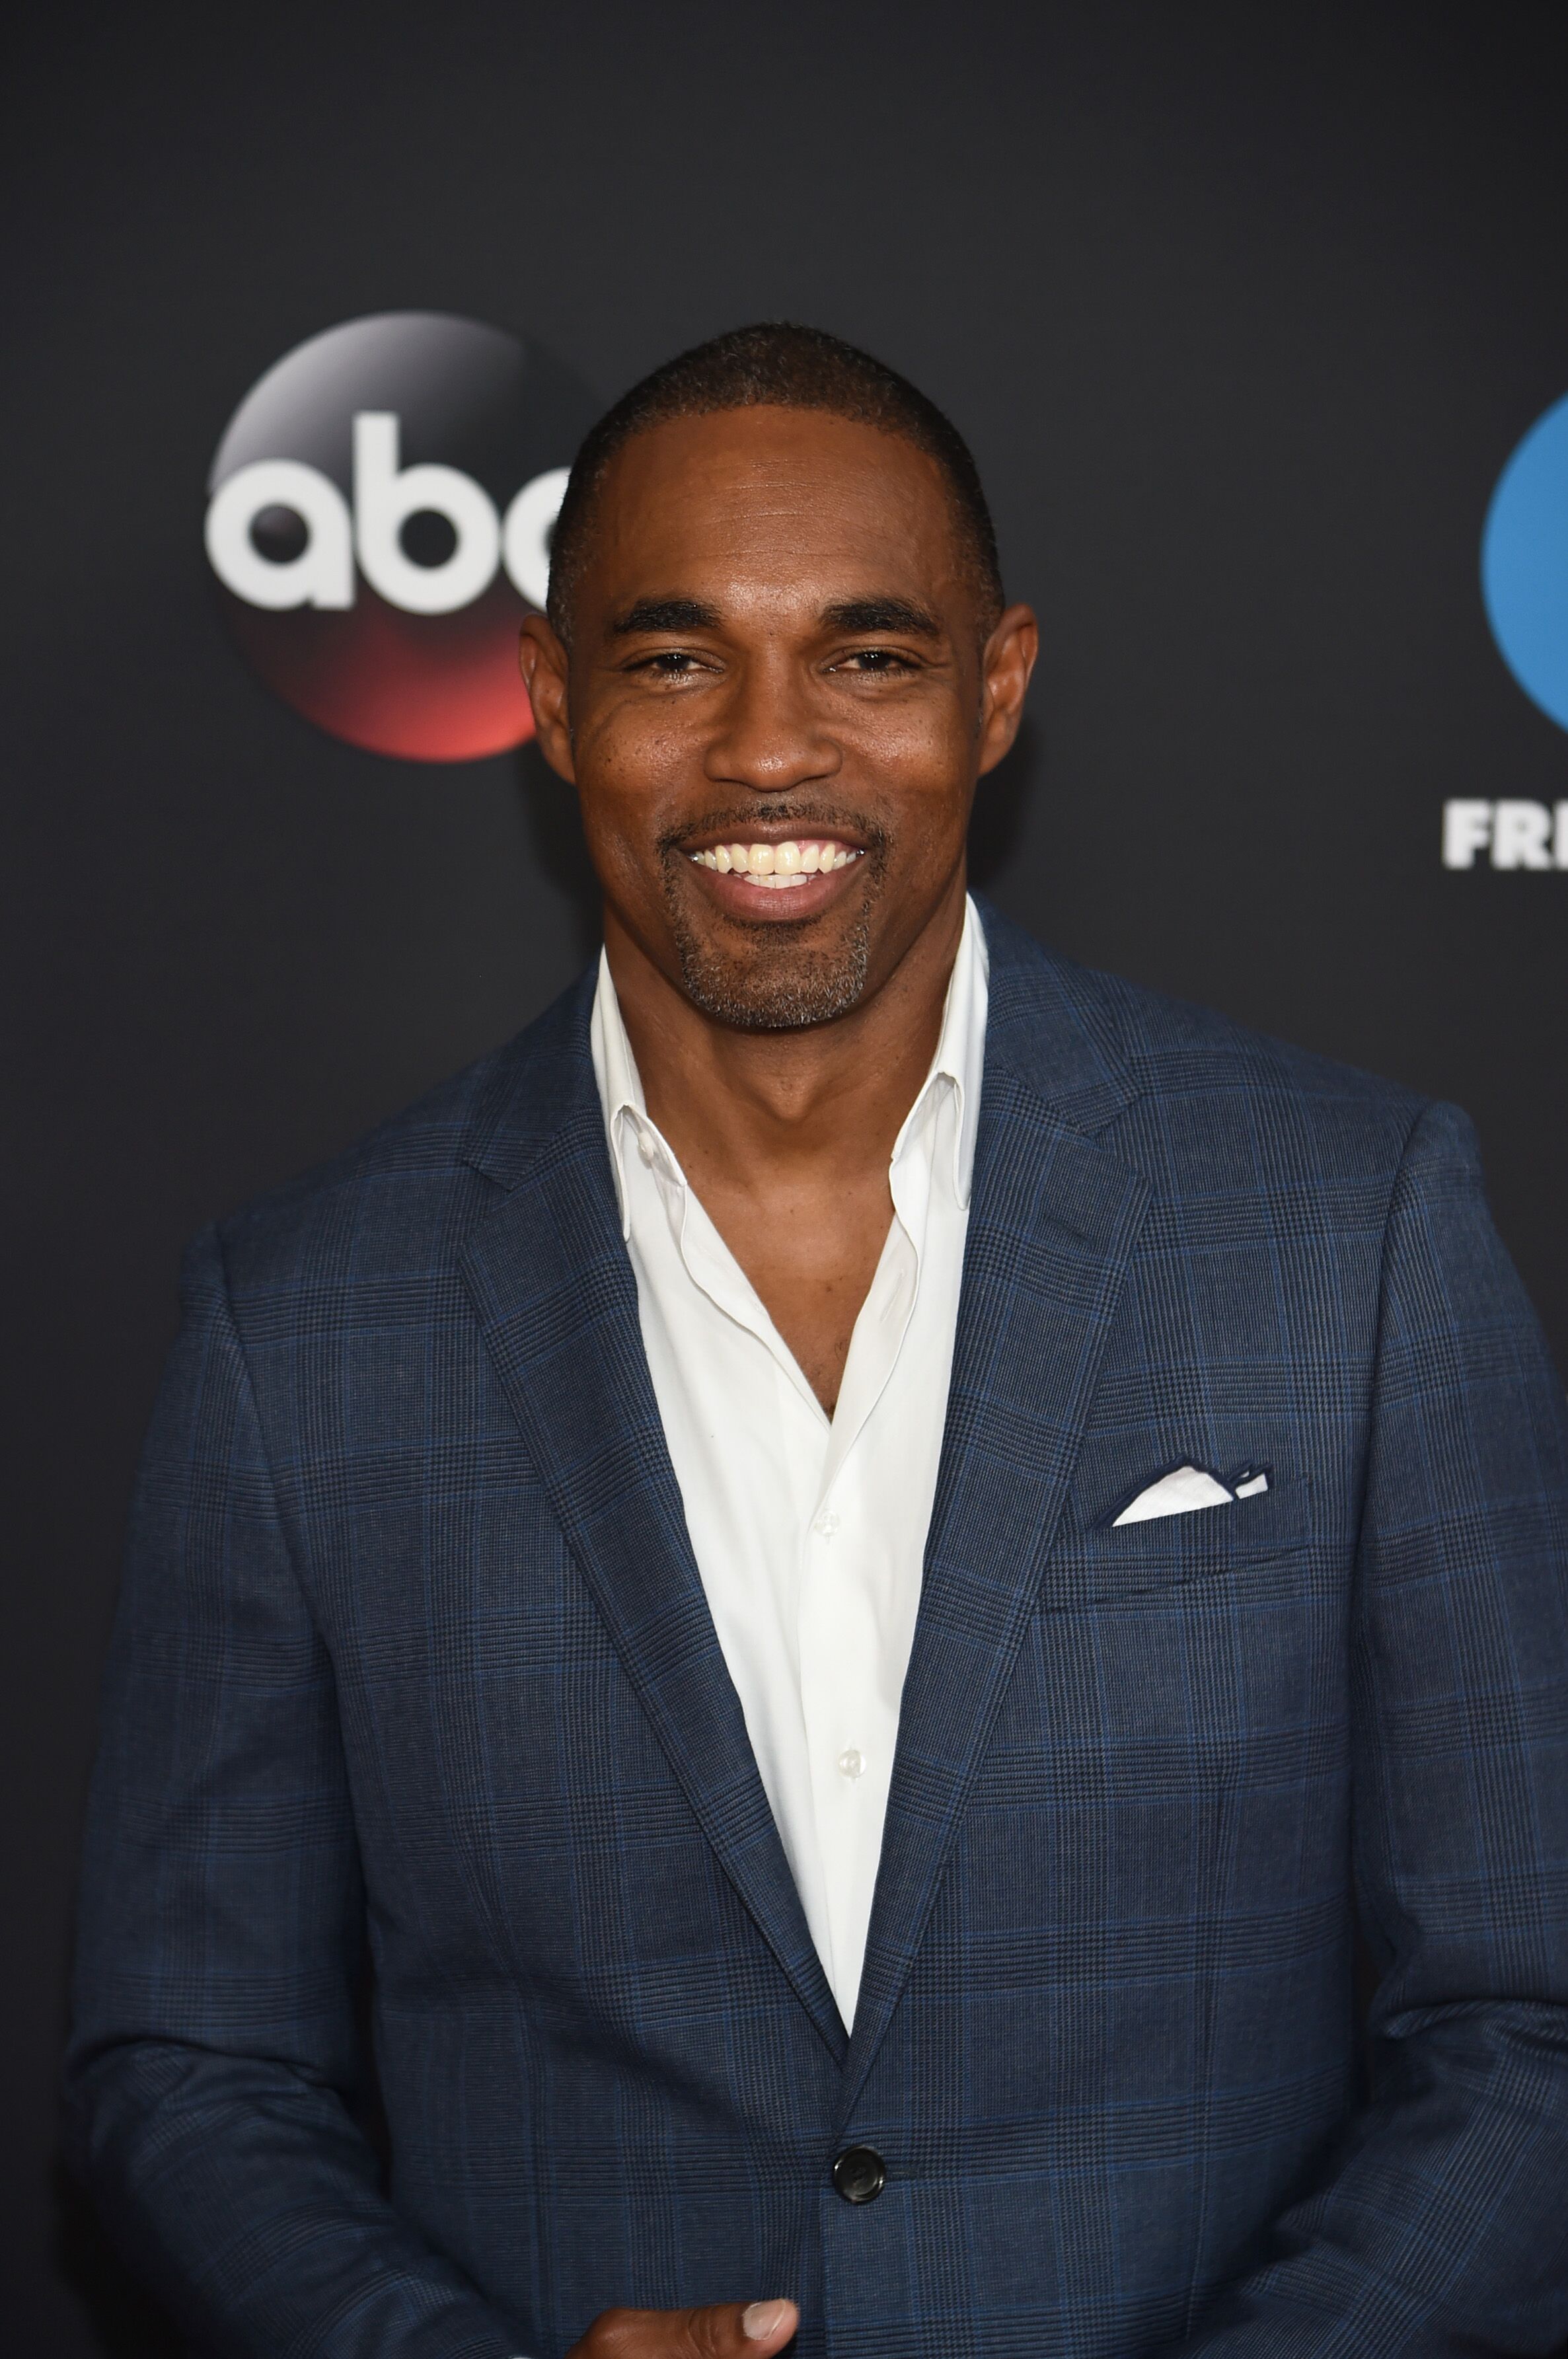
(882, 614)
(665, 615)
(854, 614)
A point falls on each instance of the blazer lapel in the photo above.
(557, 1301)
(1053, 1219)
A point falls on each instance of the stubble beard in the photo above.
(776, 979)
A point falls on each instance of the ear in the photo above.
(1005, 670)
(543, 661)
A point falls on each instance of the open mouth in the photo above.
(779, 867)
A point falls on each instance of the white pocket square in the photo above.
(1187, 1488)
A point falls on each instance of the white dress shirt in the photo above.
(810, 1533)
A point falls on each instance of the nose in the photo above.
(771, 737)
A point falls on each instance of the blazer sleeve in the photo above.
(214, 2052)
(1441, 2230)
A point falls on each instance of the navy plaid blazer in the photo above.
(414, 1682)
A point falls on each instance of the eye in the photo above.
(668, 663)
(671, 662)
(883, 661)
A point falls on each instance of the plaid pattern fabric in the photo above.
(412, 1651)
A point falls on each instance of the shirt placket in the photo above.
(850, 1721)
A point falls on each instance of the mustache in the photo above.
(811, 817)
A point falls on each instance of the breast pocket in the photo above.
(1229, 1544)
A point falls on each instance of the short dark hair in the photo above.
(775, 363)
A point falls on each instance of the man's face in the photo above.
(778, 700)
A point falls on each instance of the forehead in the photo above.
(781, 500)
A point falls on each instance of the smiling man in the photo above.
(847, 1570)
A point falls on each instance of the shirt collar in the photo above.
(960, 1058)
(618, 1080)
(960, 1061)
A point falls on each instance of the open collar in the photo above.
(1048, 1027)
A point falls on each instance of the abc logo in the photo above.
(379, 523)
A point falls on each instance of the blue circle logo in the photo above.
(1524, 563)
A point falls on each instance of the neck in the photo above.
(746, 1109)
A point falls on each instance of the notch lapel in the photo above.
(1053, 1219)
(557, 1301)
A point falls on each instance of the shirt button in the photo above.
(645, 1146)
(826, 1525)
(851, 1762)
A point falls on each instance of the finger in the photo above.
(721, 2330)
(733, 2329)
(768, 2325)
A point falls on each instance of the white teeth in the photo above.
(777, 865)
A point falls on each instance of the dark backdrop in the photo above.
(1242, 309)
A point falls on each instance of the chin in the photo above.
(777, 985)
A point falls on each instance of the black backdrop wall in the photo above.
(1243, 311)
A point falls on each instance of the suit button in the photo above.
(859, 2174)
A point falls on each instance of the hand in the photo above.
(726, 2330)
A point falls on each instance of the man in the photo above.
(852, 1564)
